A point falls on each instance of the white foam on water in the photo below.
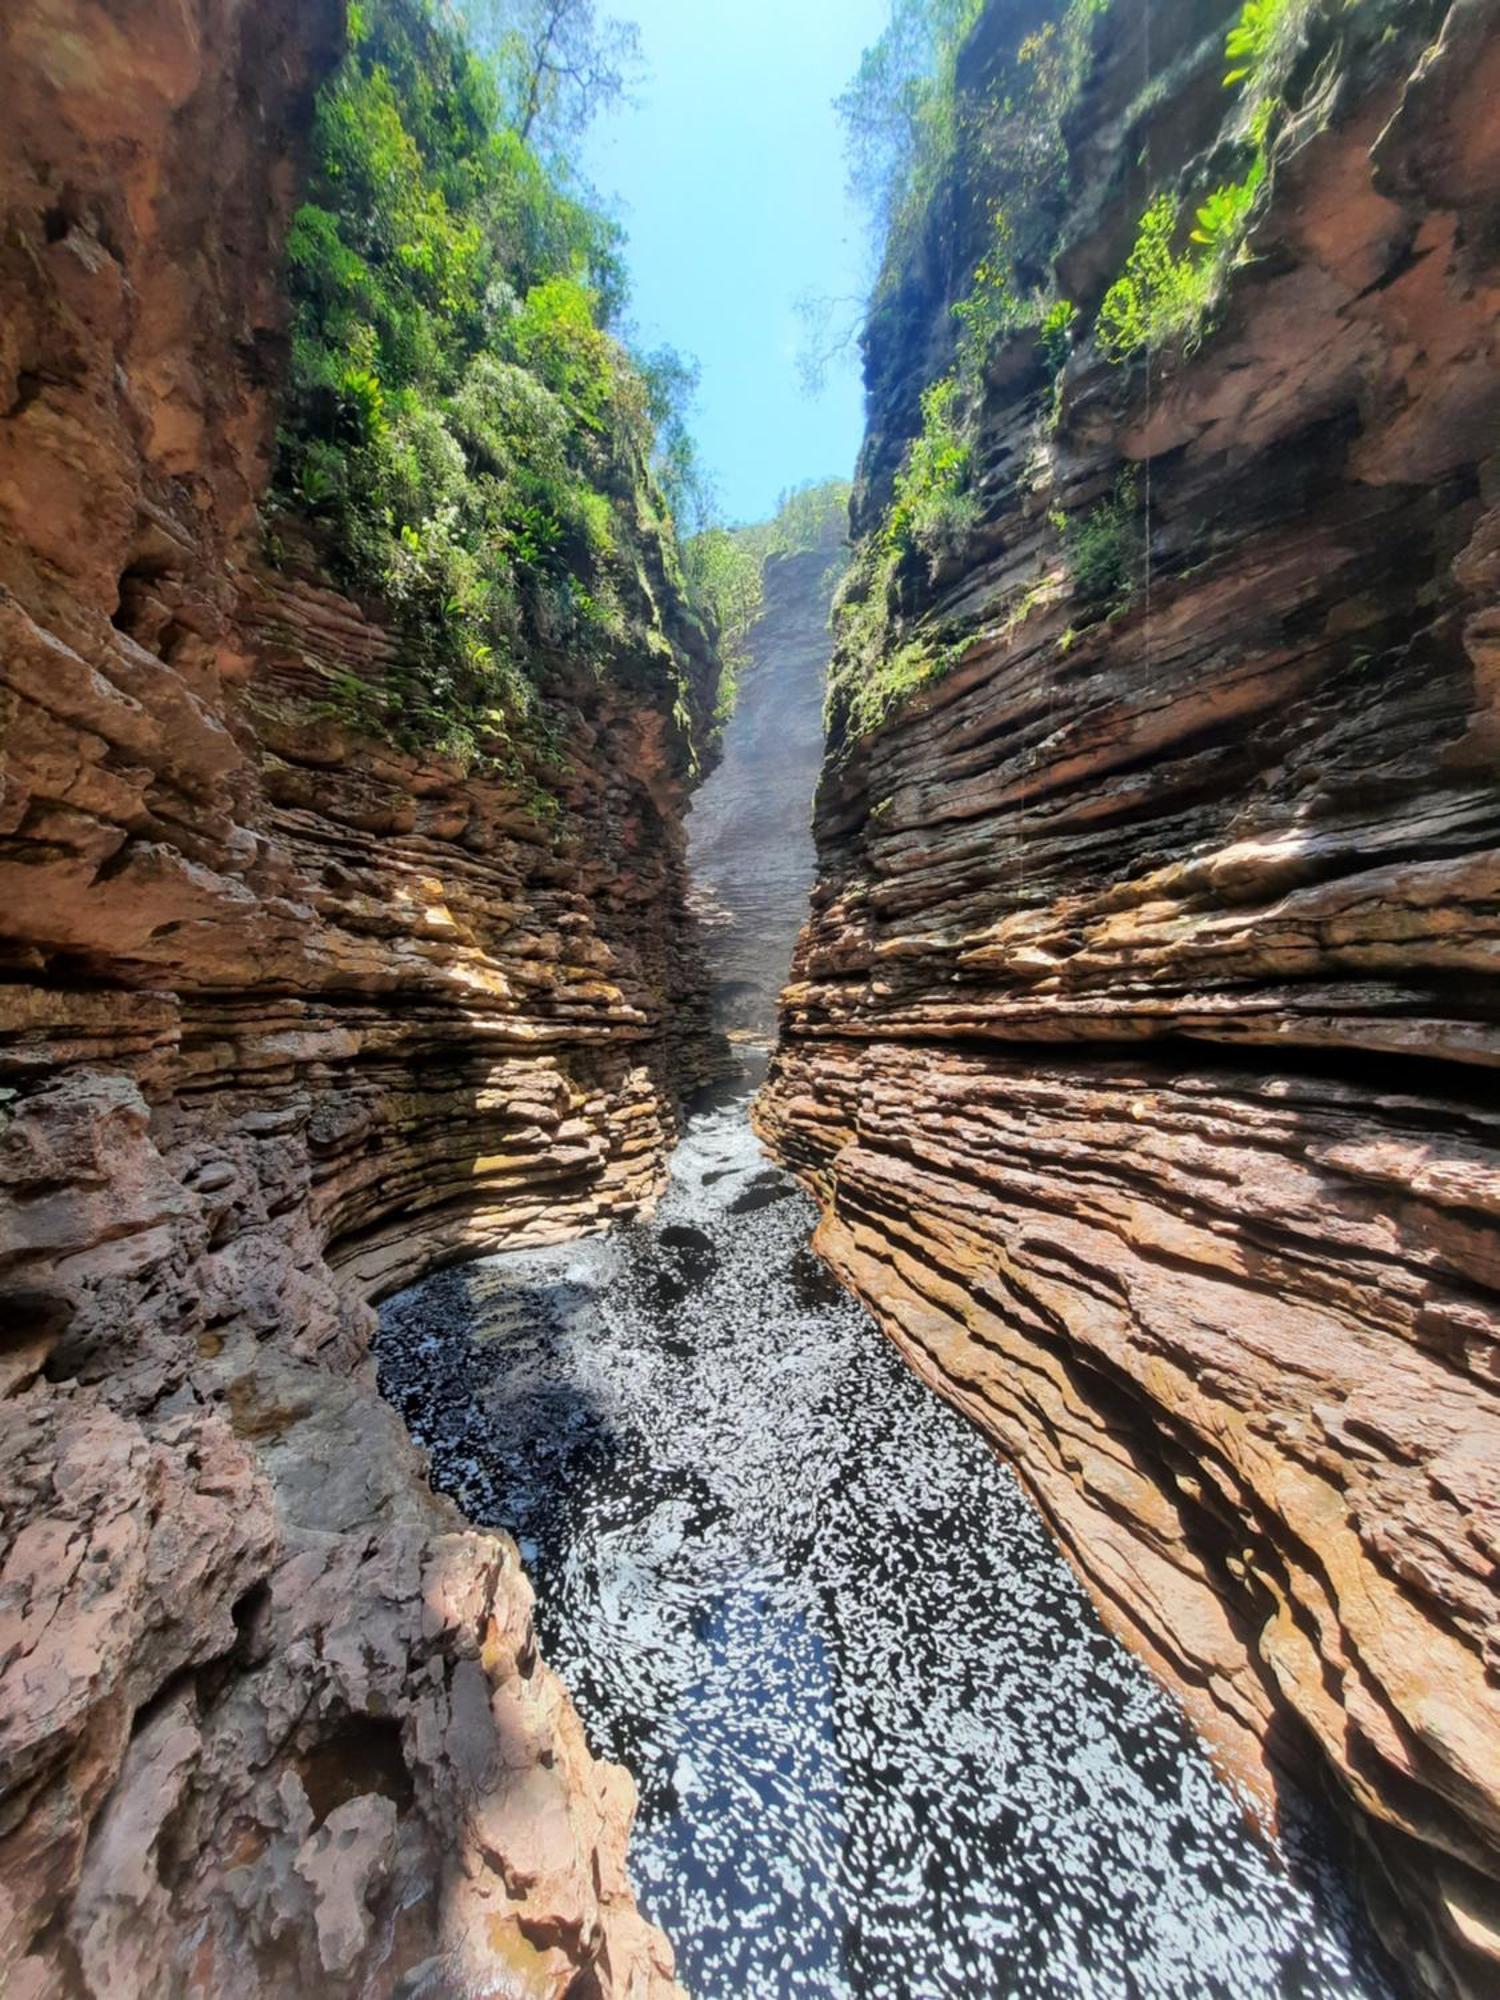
(885, 1750)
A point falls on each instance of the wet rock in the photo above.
(750, 844)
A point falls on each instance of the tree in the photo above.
(897, 112)
(671, 381)
(560, 64)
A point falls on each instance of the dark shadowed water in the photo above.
(884, 1747)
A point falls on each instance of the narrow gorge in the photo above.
(955, 1318)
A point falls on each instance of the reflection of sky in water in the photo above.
(883, 1746)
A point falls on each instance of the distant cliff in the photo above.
(1141, 1042)
(750, 828)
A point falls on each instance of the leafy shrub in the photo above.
(1104, 547)
(1159, 293)
(467, 440)
(1221, 219)
(1164, 294)
(933, 508)
(1055, 334)
(1253, 39)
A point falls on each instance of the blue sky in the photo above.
(729, 175)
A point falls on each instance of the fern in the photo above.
(1253, 36)
(1221, 219)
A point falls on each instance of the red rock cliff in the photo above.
(286, 1017)
(1141, 1043)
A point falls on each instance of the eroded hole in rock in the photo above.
(144, 610)
(32, 1327)
(362, 1754)
(251, 1613)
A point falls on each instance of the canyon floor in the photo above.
(884, 1747)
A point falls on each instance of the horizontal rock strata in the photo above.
(286, 1018)
(1140, 1044)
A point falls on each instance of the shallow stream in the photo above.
(885, 1750)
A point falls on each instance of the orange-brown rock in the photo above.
(1141, 1041)
(287, 1017)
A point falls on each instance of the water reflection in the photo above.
(885, 1750)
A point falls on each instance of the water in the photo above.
(885, 1750)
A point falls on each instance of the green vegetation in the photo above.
(1013, 138)
(1055, 332)
(725, 568)
(1104, 546)
(463, 438)
(932, 509)
(807, 517)
(724, 577)
(1253, 41)
(912, 136)
(901, 115)
(1169, 289)
(557, 64)
(927, 155)
(1164, 294)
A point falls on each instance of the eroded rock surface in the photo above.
(1141, 1042)
(286, 1018)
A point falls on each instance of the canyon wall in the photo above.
(287, 1017)
(1141, 1043)
(749, 834)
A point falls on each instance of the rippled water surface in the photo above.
(884, 1748)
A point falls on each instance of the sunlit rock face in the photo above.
(749, 832)
(288, 1018)
(1140, 1044)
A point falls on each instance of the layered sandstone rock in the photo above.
(1141, 1042)
(749, 841)
(287, 1017)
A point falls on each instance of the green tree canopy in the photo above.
(560, 63)
(463, 436)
